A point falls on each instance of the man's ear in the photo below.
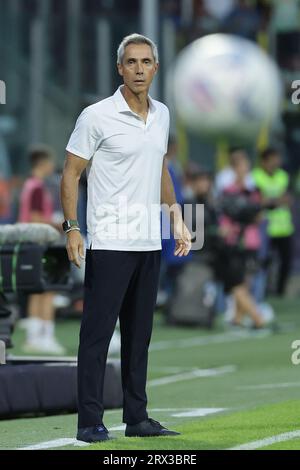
(120, 69)
(157, 67)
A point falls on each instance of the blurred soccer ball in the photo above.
(226, 85)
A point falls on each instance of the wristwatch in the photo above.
(68, 224)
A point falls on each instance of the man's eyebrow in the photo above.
(135, 58)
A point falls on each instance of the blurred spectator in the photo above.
(171, 9)
(206, 23)
(203, 22)
(200, 182)
(175, 169)
(5, 167)
(273, 182)
(36, 205)
(227, 175)
(195, 284)
(239, 228)
(288, 51)
(244, 20)
(52, 185)
(5, 200)
(171, 264)
(286, 15)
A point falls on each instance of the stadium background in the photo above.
(57, 57)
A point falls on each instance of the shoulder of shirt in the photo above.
(102, 105)
(32, 181)
(107, 105)
(258, 171)
(164, 108)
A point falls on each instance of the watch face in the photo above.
(65, 225)
(69, 223)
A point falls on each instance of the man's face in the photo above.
(273, 163)
(48, 167)
(242, 166)
(238, 155)
(202, 185)
(138, 67)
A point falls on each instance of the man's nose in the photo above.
(139, 68)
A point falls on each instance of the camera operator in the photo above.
(239, 229)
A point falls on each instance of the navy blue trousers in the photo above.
(117, 284)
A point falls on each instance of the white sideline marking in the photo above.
(170, 370)
(65, 441)
(207, 340)
(197, 412)
(182, 412)
(193, 374)
(267, 386)
(170, 409)
(186, 413)
(118, 428)
(287, 436)
(248, 446)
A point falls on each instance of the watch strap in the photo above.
(69, 223)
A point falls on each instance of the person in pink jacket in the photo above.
(36, 205)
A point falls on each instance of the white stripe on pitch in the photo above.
(218, 338)
(269, 386)
(65, 441)
(198, 412)
(176, 413)
(287, 436)
(248, 446)
(193, 374)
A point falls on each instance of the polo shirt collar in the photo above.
(122, 105)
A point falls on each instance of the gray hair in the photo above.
(136, 39)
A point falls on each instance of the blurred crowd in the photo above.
(242, 17)
(249, 227)
(247, 18)
(35, 199)
(248, 241)
(248, 238)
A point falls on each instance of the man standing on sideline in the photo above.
(122, 141)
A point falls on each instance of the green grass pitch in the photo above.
(250, 388)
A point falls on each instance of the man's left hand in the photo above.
(182, 238)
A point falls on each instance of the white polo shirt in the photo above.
(124, 172)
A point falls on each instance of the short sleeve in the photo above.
(85, 138)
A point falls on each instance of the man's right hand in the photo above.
(75, 247)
